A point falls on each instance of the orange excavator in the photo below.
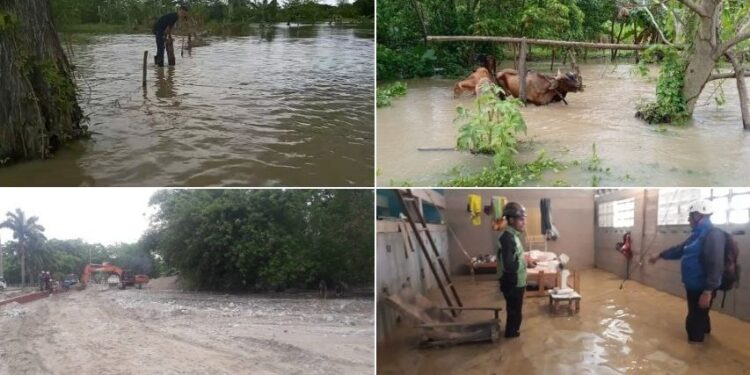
(127, 278)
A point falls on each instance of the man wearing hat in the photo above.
(702, 256)
(511, 266)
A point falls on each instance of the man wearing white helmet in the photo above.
(702, 256)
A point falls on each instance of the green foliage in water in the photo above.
(386, 94)
(595, 165)
(670, 105)
(266, 239)
(493, 128)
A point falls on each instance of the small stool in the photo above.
(573, 298)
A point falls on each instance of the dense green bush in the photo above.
(266, 239)
(386, 94)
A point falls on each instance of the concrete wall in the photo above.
(572, 214)
(397, 267)
(649, 239)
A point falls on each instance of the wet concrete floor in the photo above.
(636, 330)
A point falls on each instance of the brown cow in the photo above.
(471, 83)
(541, 89)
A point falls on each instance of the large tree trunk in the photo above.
(702, 56)
(38, 106)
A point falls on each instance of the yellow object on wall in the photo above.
(475, 209)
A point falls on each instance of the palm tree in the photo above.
(25, 231)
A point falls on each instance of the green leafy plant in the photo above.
(670, 106)
(492, 128)
(386, 95)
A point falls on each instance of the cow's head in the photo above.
(570, 81)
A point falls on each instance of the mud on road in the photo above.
(173, 332)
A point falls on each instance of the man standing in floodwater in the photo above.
(163, 30)
(702, 265)
(511, 266)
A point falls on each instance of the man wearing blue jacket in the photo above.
(702, 256)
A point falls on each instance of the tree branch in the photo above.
(695, 8)
(737, 39)
(656, 26)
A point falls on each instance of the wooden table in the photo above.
(573, 298)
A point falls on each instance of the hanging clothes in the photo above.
(475, 209)
(548, 229)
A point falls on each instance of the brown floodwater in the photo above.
(636, 330)
(710, 151)
(291, 106)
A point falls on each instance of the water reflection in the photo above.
(165, 82)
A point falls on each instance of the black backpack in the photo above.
(730, 278)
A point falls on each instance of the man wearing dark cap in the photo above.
(163, 30)
(511, 266)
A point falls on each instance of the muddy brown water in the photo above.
(291, 107)
(615, 332)
(710, 151)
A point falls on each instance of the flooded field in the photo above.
(710, 151)
(285, 107)
(617, 331)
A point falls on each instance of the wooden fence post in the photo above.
(145, 61)
(522, 71)
(170, 51)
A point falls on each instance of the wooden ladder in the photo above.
(410, 204)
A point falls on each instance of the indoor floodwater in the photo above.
(710, 151)
(290, 106)
(636, 330)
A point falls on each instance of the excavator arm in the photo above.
(91, 267)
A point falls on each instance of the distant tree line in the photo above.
(30, 252)
(141, 14)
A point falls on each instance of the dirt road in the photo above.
(172, 332)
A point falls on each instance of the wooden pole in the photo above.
(145, 59)
(541, 42)
(714, 77)
(522, 71)
(552, 64)
(739, 70)
(170, 51)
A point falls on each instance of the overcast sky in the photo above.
(96, 215)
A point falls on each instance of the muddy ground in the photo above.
(164, 331)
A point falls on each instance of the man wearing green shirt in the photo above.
(511, 266)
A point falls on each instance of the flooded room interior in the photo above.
(593, 301)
